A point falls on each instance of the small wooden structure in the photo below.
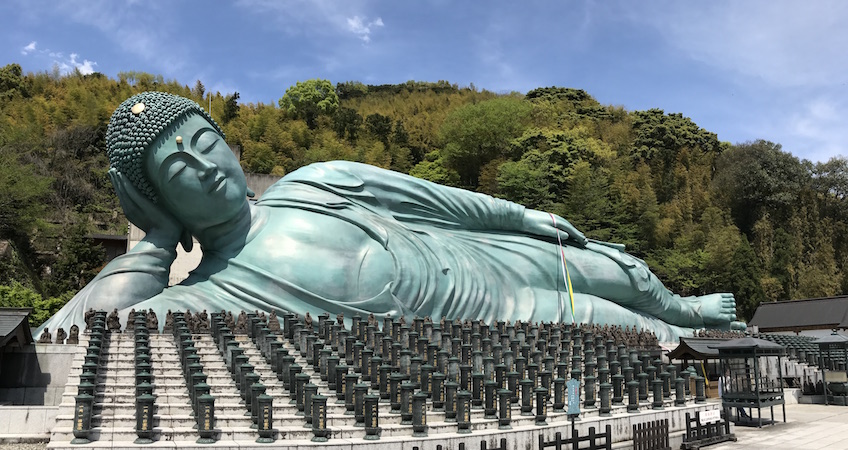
(833, 356)
(14, 330)
(702, 353)
(744, 384)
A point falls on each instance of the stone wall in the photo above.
(35, 374)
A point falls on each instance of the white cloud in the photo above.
(781, 43)
(85, 67)
(818, 128)
(317, 17)
(28, 49)
(787, 56)
(138, 28)
(359, 27)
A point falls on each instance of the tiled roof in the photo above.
(10, 320)
(813, 313)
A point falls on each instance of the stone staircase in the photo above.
(114, 417)
(174, 424)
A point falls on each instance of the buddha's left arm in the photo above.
(413, 200)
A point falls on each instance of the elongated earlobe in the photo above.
(250, 193)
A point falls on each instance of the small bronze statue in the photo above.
(241, 324)
(89, 319)
(46, 337)
(112, 322)
(169, 322)
(73, 339)
(60, 335)
(152, 321)
(273, 322)
(130, 321)
(230, 321)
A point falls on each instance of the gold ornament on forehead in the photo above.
(179, 139)
(137, 108)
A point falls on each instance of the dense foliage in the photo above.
(707, 215)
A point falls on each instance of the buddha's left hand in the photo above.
(545, 224)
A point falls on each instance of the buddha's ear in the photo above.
(250, 193)
(186, 241)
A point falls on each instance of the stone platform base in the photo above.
(518, 438)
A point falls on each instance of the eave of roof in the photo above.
(12, 320)
(811, 313)
(696, 348)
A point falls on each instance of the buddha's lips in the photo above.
(215, 184)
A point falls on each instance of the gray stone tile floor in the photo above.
(807, 427)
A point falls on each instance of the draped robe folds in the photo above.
(454, 253)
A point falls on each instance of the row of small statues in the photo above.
(642, 338)
(722, 334)
(61, 337)
(198, 322)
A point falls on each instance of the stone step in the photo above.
(128, 435)
(114, 411)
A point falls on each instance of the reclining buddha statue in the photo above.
(345, 237)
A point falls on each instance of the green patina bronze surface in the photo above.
(348, 237)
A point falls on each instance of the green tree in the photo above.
(309, 99)
(787, 254)
(351, 89)
(258, 157)
(17, 295)
(400, 137)
(198, 90)
(432, 168)
(587, 202)
(231, 108)
(347, 122)
(22, 195)
(78, 261)
(526, 181)
(11, 82)
(475, 134)
(830, 180)
(744, 274)
(379, 126)
(561, 150)
(757, 178)
(658, 140)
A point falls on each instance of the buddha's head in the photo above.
(174, 153)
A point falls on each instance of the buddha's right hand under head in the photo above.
(159, 225)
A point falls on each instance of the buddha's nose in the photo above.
(206, 168)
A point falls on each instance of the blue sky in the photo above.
(773, 70)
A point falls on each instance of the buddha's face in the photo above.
(195, 173)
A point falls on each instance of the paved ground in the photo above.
(806, 427)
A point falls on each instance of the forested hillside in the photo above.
(707, 216)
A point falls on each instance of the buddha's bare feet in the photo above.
(717, 310)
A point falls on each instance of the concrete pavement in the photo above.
(807, 427)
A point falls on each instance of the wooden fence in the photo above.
(651, 435)
(700, 434)
(593, 439)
